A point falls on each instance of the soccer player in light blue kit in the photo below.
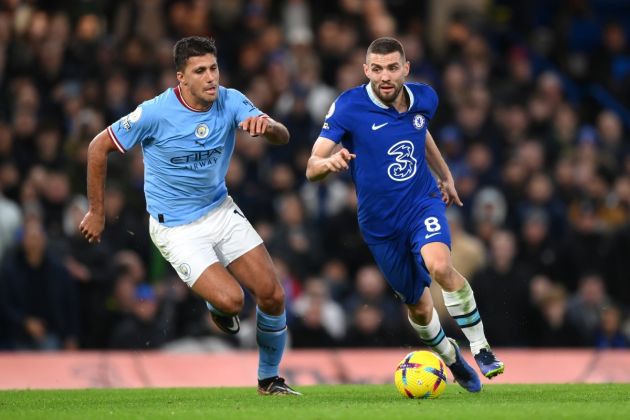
(187, 136)
(379, 132)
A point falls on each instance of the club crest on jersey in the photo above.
(418, 121)
(201, 132)
(128, 121)
(184, 269)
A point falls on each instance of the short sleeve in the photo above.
(243, 107)
(432, 101)
(131, 129)
(334, 127)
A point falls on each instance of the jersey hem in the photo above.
(198, 215)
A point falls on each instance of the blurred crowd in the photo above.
(533, 121)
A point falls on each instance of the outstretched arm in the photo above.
(93, 223)
(440, 168)
(323, 161)
(272, 130)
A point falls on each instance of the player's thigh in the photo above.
(431, 239)
(242, 251)
(255, 271)
(396, 261)
(217, 286)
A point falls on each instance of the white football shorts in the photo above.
(222, 235)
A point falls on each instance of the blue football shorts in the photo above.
(399, 258)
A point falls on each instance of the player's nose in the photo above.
(209, 76)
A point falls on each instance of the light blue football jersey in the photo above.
(390, 171)
(186, 151)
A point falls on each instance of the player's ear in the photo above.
(180, 77)
(365, 70)
(406, 67)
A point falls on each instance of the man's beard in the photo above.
(390, 98)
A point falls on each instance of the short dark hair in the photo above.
(192, 46)
(386, 45)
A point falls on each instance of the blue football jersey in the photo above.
(390, 171)
(186, 152)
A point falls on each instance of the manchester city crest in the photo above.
(184, 269)
(418, 121)
(201, 132)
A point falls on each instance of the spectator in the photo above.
(309, 331)
(537, 248)
(556, 329)
(37, 296)
(92, 273)
(315, 310)
(499, 289)
(584, 309)
(295, 238)
(371, 289)
(608, 334)
(143, 328)
(531, 149)
(368, 329)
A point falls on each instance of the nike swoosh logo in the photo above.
(429, 235)
(233, 326)
(376, 127)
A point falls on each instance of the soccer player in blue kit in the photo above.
(187, 136)
(379, 132)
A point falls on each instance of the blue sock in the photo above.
(215, 310)
(271, 336)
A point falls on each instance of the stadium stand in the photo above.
(533, 121)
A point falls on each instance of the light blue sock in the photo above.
(215, 310)
(271, 336)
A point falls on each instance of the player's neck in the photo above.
(193, 102)
(401, 103)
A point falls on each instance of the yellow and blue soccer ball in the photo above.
(421, 374)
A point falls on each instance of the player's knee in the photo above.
(440, 269)
(271, 300)
(231, 303)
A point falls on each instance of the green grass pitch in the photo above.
(605, 401)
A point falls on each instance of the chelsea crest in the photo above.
(418, 121)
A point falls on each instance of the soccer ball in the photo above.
(421, 374)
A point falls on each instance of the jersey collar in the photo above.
(178, 94)
(379, 103)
